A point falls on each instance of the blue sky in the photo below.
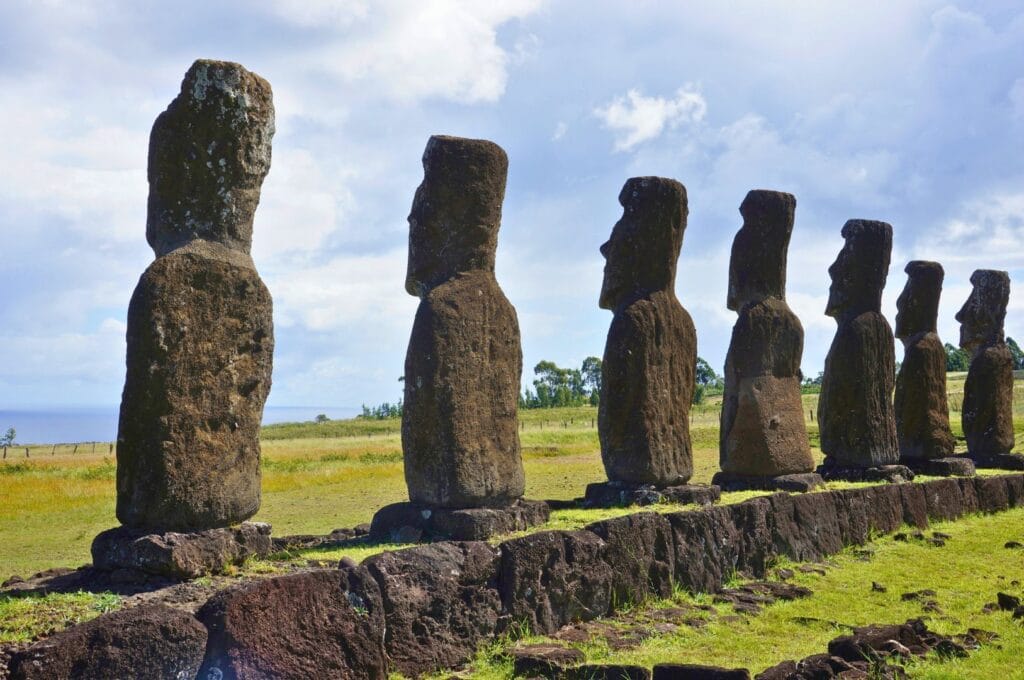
(909, 112)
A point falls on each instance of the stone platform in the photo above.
(620, 494)
(1000, 461)
(798, 483)
(411, 523)
(180, 555)
(893, 474)
(953, 466)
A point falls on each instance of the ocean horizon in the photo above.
(71, 425)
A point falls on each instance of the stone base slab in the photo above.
(620, 494)
(411, 522)
(798, 483)
(180, 555)
(952, 466)
(893, 474)
(1000, 461)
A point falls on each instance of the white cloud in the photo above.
(560, 131)
(636, 118)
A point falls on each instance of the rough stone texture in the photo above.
(147, 641)
(763, 432)
(988, 393)
(309, 625)
(796, 483)
(640, 550)
(942, 467)
(200, 328)
(544, 660)
(607, 672)
(855, 410)
(672, 671)
(553, 578)
(440, 601)
(616, 494)
(460, 431)
(410, 522)
(180, 555)
(651, 351)
(922, 411)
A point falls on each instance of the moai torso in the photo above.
(987, 414)
(200, 329)
(460, 432)
(922, 411)
(763, 431)
(855, 410)
(651, 352)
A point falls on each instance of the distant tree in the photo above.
(814, 382)
(698, 393)
(557, 386)
(1016, 353)
(8, 438)
(956, 359)
(706, 375)
(322, 418)
(591, 370)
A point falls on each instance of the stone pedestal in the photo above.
(180, 555)
(412, 522)
(802, 482)
(1000, 461)
(894, 474)
(623, 494)
(950, 466)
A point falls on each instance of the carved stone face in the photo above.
(858, 274)
(757, 268)
(641, 254)
(456, 213)
(982, 316)
(918, 305)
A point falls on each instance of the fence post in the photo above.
(76, 449)
(26, 452)
(5, 453)
(94, 447)
(111, 449)
(53, 451)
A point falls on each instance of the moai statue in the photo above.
(855, 410)
(922, 412)
(988, 393)
(460, 427)
(650, 355)
(200, 330)
(763, 439)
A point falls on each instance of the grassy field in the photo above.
(317, 477)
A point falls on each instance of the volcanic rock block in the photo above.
(988, 393)
(922, 411)
(410, 522)
(855, 411)
(624, 494)
(309, 625)
(763, 432)
(146, 641)
(640, 550)
(460, 434)
(440, 601)
(180, 555)
(670, 671)
(651, 351)
(200, 328)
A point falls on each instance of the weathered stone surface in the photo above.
(672, 671)
(553, 578)
(180, 555)
(640, 550)
(710, 545)
(855, 411)
(411, 522)
(308, 625)
(922, 411)
(606, 672)
(796, 483)
(763, 432)
(544, 660)
(987, 413)
(200, 327)
(951, 466)
(651, 350)
(460, 433)
(440, 601)
(208, 155)
(614, 494)
(147, 641)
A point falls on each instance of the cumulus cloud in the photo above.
(635, 118)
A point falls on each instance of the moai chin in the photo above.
(460, 434)
(200, 329)
(763, 434)
(922, 411)
(855, 410)
(988, 393)
(651, 351)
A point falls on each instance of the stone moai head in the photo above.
(208, 155)
(981, 318)
(918, 305)
(456, 213)
(858, 274)
(757, 268)
(641, 254)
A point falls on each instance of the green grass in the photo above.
(966, 574)
(23, 619)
